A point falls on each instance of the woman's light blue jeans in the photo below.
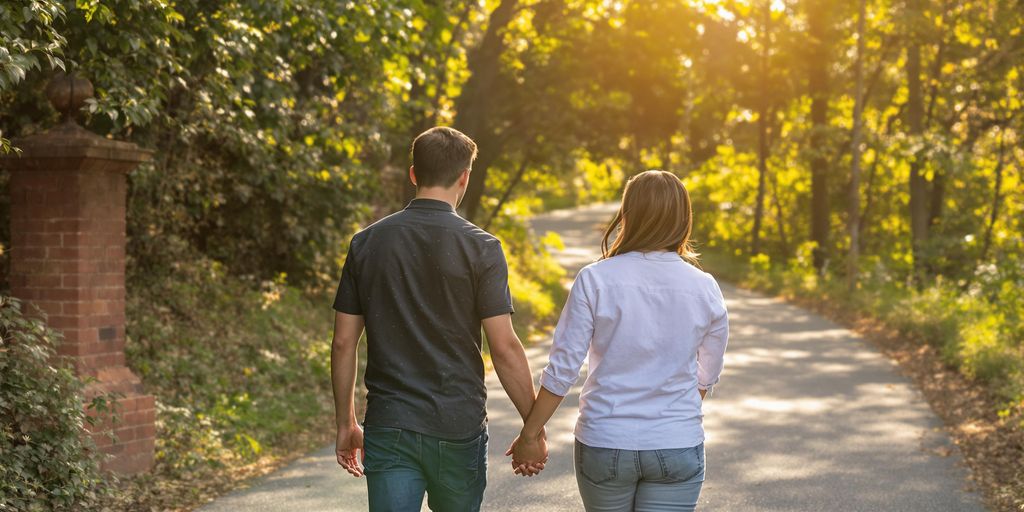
(643, 481)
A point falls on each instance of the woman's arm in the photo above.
(531, 445)
(569, 348)
(711, 352)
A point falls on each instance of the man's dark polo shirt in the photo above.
(423, 278)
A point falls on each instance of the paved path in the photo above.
(807, 418)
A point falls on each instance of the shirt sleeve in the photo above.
(493, 296)
(711, 352)
(347, 298)
(572, 338)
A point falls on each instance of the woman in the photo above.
(654, 328)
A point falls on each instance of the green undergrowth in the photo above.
(977, 327)
(238, 367)
(535, 278)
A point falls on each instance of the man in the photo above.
(423, 281)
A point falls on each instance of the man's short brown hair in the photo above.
(440, 155)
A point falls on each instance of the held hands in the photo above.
(529, 454)
(349, 449)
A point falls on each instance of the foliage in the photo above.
(535, 278)
(235, 367)
(28, 38)
(266, 119)
(47, 458)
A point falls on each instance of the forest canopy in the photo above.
(273, 121)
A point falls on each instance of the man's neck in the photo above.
(450, 196)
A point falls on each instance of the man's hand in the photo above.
(529, 454)
(349, 449)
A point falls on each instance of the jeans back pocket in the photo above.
(681, 464)
(380, 446)
(460, 462)
(597, 465)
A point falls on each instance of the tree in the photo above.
(918, 183)
(474, 104)
(762, 132)
(818, 90)
(853, 219)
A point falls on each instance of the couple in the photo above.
(423, 281)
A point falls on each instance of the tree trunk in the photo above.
(855, 155)
(919, 207)
(762, 137)
(472, 105)
(818, 90)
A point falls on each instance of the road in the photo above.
(808, 417)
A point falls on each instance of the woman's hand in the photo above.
(529, 454)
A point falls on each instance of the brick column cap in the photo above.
(68, 146)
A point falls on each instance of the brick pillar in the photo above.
(68, 200)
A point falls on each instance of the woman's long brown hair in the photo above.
(655, 215)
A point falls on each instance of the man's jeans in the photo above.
(401, 465)
(648, 480)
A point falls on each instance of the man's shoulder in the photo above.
(477, 233)
(398, 217)
(465, 229)
(453, 224)
(395, 219)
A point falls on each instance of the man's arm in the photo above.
(510, 362)
(344, 358)
(513, 371)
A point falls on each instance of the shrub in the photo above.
(47, 459)
(535, 278)
(237, 366)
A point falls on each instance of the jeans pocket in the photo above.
(682, 464)
(380, 445)
(598, 465)
(460, 463)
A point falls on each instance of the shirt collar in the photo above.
(430, 204)
(655, 255)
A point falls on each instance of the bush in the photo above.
(47, 459)
(535, 278)
(237, 366)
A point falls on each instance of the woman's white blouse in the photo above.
(654, 329)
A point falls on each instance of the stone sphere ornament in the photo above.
(68, 93)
